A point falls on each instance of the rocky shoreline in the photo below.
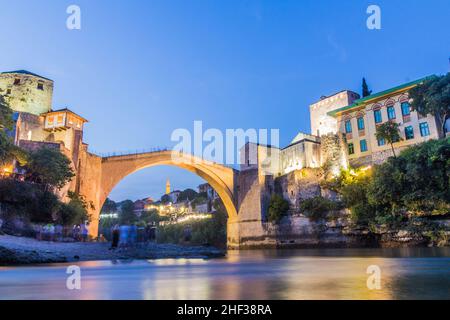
(26, 251)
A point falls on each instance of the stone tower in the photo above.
(167, 186)
(26, 91)
(321, 122)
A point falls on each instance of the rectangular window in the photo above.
(381, 142)
(16, 82)
(351, 148)
(360, 123)
(409, 133)
(40, 86)
(377, 116)
(391, 112)
(363, 145)
(424, 129)
(348, 126)
(406, 110)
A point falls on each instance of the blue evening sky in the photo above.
(140, 69)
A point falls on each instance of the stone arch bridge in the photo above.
(97, 176)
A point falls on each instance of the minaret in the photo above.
(168, 186)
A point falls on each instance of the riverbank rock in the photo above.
(23, 257)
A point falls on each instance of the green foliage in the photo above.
(165, 199)
(49, 167)
(75, 211)
(6, 121)
(8, 151)
(416, 182)
(433, 97)
(38, 205)
(188, 194)
(198, 200)
(127, 215)
(365, 89)
(109, 206)
(389, 131)
(28, 200)
(278, 208)
(204, 232)
(353, 185)
(317, 208)
(152, 216)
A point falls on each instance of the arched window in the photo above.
(377, 114)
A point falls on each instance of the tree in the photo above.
(6, 120)
(109, 207)
(127, 212)
(49, 167)
(75, 211)
(390, 132)
(165, 199)
(417, 181)
(188, 194)
(433, 97)
(278, 208)
(365, 89)
(8, 151)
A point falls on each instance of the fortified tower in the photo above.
(26, 91)
(321, 122)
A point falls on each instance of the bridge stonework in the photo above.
(243, 193)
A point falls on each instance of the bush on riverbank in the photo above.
(204, 232)
(319, 208)
(32, 204)
(413, 184)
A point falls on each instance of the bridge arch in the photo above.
(116, 168)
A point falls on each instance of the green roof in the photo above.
(26, 72)
(362, 101)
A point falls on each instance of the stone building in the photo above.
(206, 188)
(343, 129)
(37, 125)
(26, 91)
(358, 122)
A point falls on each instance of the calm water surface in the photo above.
(287, 274)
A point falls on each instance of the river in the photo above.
(412, 273)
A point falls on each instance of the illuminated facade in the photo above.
(358, 122)
(26, 91)
(353, 120)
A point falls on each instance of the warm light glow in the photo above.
(7, 170)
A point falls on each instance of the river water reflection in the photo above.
(287, 274)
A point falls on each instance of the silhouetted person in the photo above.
(115, 237)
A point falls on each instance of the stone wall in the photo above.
(26, 96)
(333, 153)
(299, 185)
